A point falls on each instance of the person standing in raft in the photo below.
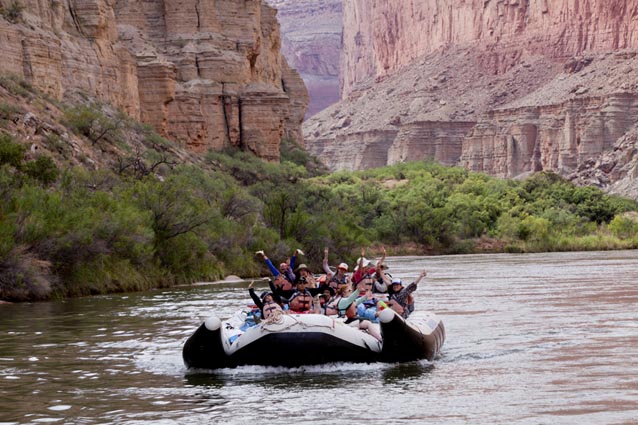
(268, 303)
(284, 276)
(400, 298)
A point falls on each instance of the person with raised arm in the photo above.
(286, 270)
(335, 279)
(268, 303)
(382, 280)
(400, 298)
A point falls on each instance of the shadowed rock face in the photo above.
(311, 42)
(205, 74)
(505, 87)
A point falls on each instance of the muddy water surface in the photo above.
(532, 339)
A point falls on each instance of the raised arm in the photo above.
(326, 266)
(382, 259)
(254, 296)
(412, 287)
(421, 276)
(269, 263)
(363, 254)
(293, 258)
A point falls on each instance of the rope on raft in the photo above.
(277, 318)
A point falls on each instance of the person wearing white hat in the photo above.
(399, 300)
(304, 271)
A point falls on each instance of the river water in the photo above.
(531, 339)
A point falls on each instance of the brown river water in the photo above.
(531, 339)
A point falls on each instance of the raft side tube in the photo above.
(302, 348)
(403, 342)
(205, 348)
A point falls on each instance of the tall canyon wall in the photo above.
(207, 75)
(382, 36)
(311, 43)
(501, 86)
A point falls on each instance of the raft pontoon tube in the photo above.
(307, 339)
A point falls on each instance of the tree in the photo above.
(93, 124)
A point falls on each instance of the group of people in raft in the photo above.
(356, 297)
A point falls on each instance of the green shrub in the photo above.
(92, 123)
(11, 152)
(43, 169)
(624, 227)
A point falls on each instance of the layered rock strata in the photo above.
(382, 36)
(504, 87)
(205, 74)
(311, 43)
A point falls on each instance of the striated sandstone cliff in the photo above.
(311, 42)
(505, 87)
(205, 74)
(382, 36)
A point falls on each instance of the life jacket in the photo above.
(333, 308)
(269, 308)
(364, 284)
(337, 279)
(380, 286)
(350, 311)
(331, 305)
(300, 301)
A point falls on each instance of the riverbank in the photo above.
(71, 232)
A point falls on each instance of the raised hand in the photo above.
(422, 275)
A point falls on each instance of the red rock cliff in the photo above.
(501, 86)
(311, 42)
(204, 74)
(382, 36)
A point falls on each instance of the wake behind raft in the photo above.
(293, 340)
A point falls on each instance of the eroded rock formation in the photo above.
(500, 86)
(382, 36)
(205, 74)
(311, 42)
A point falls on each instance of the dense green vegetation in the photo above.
(76, 232)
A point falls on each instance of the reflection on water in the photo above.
(532, 339)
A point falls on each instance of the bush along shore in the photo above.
(153, 219)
